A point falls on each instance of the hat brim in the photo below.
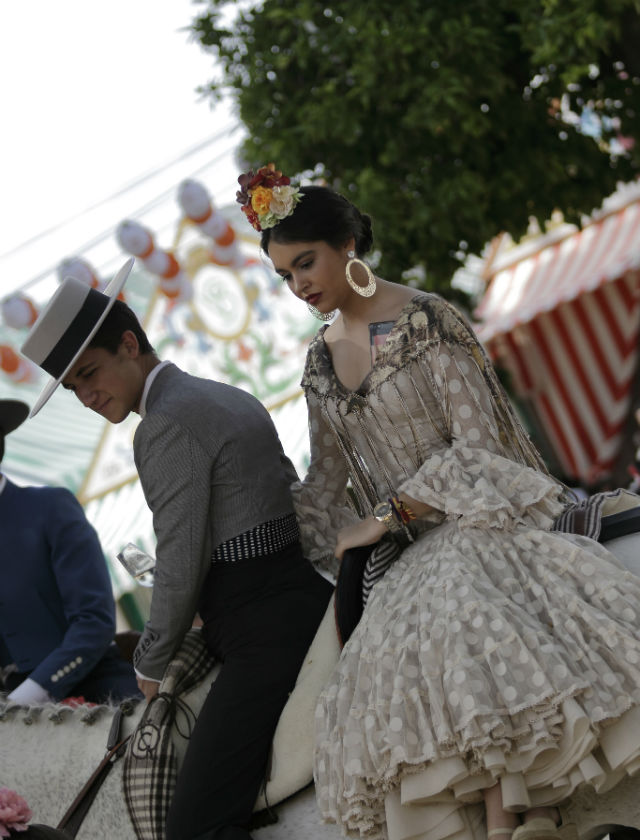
(13, 413)
(112, 291)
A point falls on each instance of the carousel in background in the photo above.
(210, 304)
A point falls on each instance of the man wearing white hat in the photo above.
(218, 483)
(57, 613)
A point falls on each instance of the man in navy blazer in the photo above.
(57, 613)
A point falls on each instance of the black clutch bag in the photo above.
(348, 594)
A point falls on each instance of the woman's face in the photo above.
(314, 271)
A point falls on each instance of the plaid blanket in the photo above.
(150, 764)
(585, 517)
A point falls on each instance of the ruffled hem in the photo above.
(483, 655)
(436, 796)
(485, 489)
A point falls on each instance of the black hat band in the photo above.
(76, 334)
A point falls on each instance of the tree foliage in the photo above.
(447, 121)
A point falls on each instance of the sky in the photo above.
(100, 122)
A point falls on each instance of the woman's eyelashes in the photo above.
(287, 278)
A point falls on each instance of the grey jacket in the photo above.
(211, 466)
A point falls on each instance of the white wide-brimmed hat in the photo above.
(12, 414)
(66, 326)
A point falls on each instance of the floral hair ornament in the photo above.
(14, 812)
(266, 196)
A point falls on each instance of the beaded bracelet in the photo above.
(401, 510)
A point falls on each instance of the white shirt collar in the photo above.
(147, 385)
(3, 482)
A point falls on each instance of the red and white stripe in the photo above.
(565, 322)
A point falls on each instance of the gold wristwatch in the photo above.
(384, 513)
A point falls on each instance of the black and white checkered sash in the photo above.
(150, 764)
(265, 539)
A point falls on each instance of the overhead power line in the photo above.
(131, 185)
(137, 213)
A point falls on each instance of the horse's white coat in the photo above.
(48, 762)
(48, 753)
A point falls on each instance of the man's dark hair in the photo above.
(120, 319)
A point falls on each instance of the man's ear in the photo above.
(130, 344)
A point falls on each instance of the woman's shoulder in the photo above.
(317, 363)
(317, 344)
(432, 316)
(431, 303)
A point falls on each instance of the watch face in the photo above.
(382, 510)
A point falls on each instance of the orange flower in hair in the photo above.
(261, 200)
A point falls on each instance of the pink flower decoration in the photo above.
(14, 812)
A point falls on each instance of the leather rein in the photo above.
(116, 747)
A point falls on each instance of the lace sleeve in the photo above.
(486, 471)
(320, 500)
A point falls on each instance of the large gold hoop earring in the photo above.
(321, 316)
(363, 291)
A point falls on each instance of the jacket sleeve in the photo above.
(85, 593)
(175, 474)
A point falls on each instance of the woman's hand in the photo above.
(365, 532)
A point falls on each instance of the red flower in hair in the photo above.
(252, 216)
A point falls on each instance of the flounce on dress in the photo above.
(492, 649)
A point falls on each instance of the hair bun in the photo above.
(364, 236)
(322, 215)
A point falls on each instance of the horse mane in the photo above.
(87, 713)
(52, 713)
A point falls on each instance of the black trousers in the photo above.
(260, 616)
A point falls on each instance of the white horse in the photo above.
(47, 753)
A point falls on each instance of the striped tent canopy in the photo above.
(561, 314)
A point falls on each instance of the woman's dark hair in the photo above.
(323, 215)
(119, 320)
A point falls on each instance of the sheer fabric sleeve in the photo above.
(320, 500)
(486, 472)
